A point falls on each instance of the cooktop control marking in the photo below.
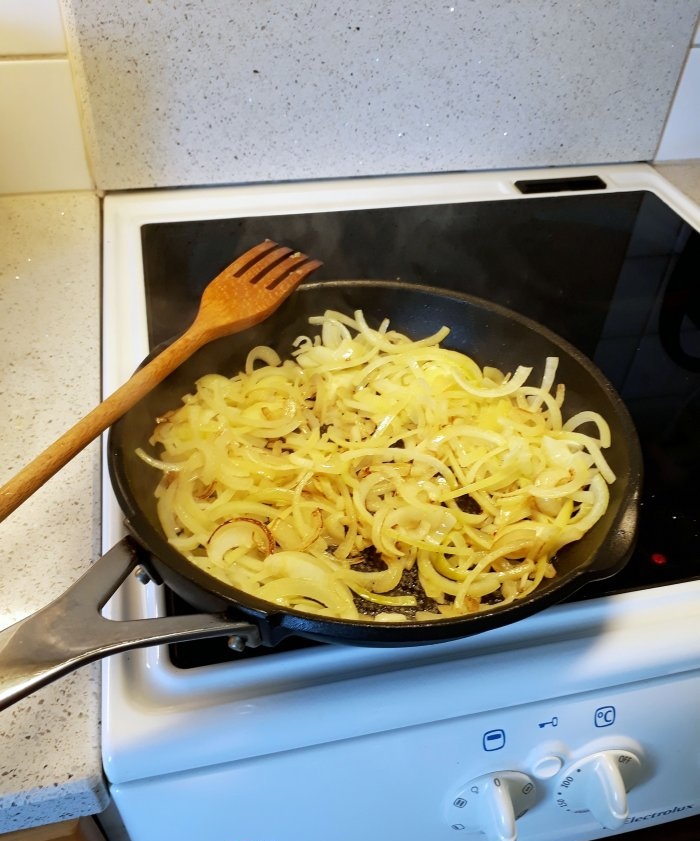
(605, 716)
(494, 740)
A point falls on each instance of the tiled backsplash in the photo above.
(681, 137)
(31, 27)
(41, 141)
(175, 92)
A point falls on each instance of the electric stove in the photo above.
(493, 734)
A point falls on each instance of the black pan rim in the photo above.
(295, 621)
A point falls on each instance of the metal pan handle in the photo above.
(71, 631)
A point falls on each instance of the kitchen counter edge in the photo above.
(50, 759)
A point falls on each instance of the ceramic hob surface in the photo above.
(610, 264)
(612, 272)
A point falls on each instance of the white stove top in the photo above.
(159, 720)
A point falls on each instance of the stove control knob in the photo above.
(491, 804)
(599, 783)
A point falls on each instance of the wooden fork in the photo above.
(244, 294)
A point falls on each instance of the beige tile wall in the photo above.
(681, 137)
(41, 141)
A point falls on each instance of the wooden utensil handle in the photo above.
(18, 489)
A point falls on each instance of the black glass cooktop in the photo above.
(617, 274)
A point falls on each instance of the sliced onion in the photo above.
(367, 437)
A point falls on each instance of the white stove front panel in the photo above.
(163, 721)
(445, 781)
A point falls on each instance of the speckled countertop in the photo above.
(50, 763)
(337, 89)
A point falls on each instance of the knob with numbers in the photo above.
(598, 783)
(491, 804)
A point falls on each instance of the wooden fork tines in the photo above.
(252, 287)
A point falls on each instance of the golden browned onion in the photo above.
(374, 476)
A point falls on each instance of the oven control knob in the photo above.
(598, 784)
(491, 804)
